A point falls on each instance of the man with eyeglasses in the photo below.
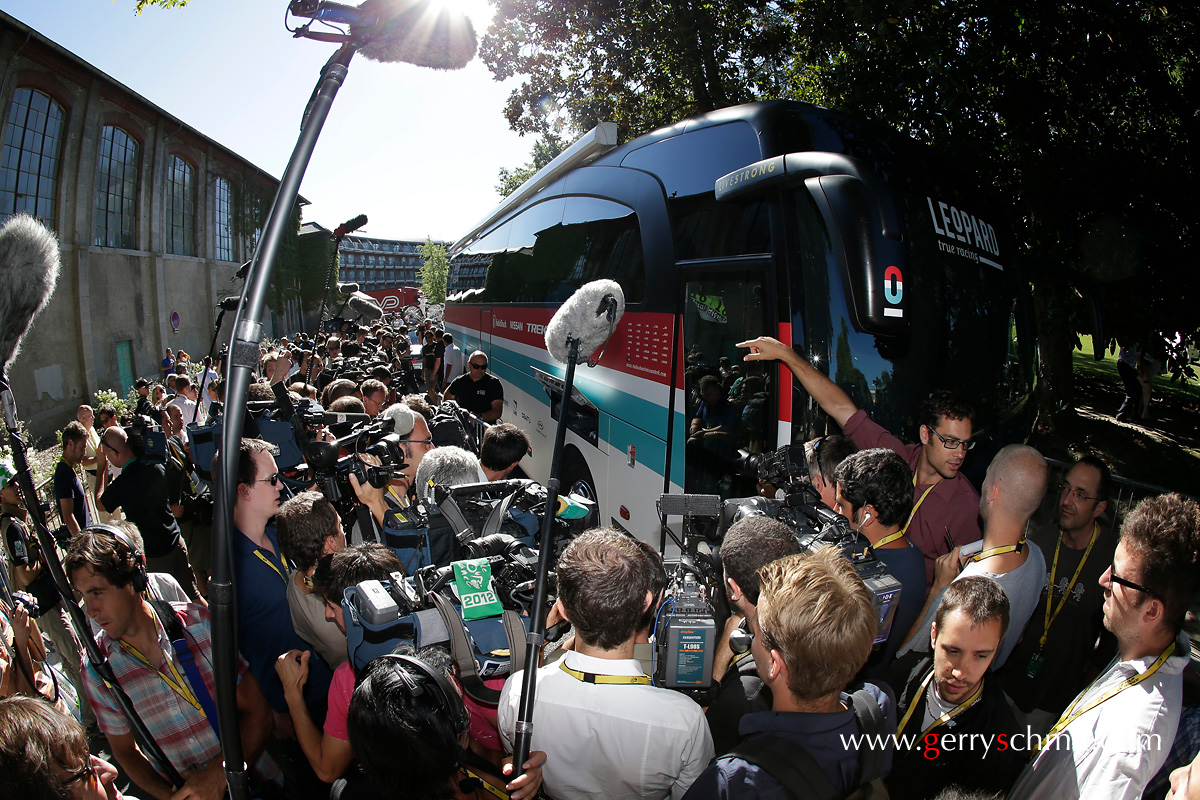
(946, 506)
(1012, 492)
(478, 392)
(261, 576)
(1059, 649)
(1116, 734)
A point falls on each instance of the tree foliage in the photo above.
(434, 272)
(141, 4)
(1079, 115)
(545, 149)
(641, 63)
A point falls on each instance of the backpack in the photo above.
(800, 774)
(451, 425)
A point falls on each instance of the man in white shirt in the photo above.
(1117, 733)
(606, 731)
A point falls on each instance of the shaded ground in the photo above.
(1163, 450)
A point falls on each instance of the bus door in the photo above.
(724, 408)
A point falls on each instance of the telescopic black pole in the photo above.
(83, 630)
(537, 626)
(212, 348)
(243, 356)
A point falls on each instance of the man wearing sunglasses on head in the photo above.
(945, 506)
(1117, 732)
(261, 575)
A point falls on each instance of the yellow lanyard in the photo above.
(997, 551)
(1067, 592)
(174, 679)
(487, 787)
(1071, 714)
(592, 677)
(891, 537)
(949, 715)
(913, 513)
(271, 564)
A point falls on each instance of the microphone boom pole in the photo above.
(243, 357)
(523, 737)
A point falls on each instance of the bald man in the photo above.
(1012, 491)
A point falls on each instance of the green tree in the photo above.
(434, 272)
(141, 4)
(641, 64)
(1081, 117)
(545, 149)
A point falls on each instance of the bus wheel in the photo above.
(576, 477)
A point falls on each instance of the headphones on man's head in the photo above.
(140, 580)
(443, 693)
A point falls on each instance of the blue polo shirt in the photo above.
(264, 623)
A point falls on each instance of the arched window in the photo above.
(224, 220)
(29, 164)
(181, 208)
(116, 189)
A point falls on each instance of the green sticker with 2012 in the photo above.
(473, 579)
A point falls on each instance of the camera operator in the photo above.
(503, 447)
(823, 458)
(813, 631)
(607, 733)
(409, 730)
(873, 491)
(329, 752)
(447, 466)
(749, 545)
(309, 528)
(141, 492)
(373, 394)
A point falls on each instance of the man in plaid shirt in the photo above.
(106, 570)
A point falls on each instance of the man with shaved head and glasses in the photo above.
(1115, 735)
(945, 505)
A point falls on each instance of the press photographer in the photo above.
(141, 492)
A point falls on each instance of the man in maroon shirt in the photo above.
(945, 505)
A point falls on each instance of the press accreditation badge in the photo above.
(1035, 665)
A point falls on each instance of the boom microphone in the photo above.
(230, 303)
(366, 306)
(401, 417)
(350, 226)
(590, 316)
(415, 32)
(347, 288)
(28, 272)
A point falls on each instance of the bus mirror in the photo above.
(865, 228)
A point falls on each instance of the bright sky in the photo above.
(416, 150)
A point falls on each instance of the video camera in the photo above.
(816, 525)
(147, 439)
(695, 610)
